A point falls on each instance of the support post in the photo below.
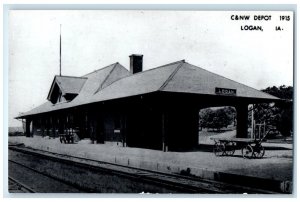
(252, 122)
(242, 121)
(124, 130)
(163, 132)
(27, 128)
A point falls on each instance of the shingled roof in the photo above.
(192, 79)
(67, 85)
(70, 85)
(114, 82)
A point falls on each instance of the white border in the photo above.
(135, 4)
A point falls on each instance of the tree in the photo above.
(283, 92)
(222, 119)
(216, 119)
(281, 114)
(206, 118)
(231, 112)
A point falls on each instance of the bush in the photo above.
(216, 119)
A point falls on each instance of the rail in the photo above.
(20, 186)
(188, 183)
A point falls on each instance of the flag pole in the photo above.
(60, 50)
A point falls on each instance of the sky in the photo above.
(94, 39)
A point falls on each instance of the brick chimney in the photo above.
(136, 63)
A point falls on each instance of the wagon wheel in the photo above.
(219, 149)
(230, 148)
(247, 151)
(258, 151)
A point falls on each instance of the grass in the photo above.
(211, 132)
(205, 134)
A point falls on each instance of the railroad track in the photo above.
(186, 184)
(28, 174)
(17, 187)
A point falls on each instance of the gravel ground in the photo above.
(277, 164)
(205, 137)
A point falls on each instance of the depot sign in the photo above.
(225, 91)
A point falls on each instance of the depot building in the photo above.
(156, 109)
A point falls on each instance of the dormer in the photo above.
(65, 88)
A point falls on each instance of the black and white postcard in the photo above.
(151, 101)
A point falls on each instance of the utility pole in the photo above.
(252, 122)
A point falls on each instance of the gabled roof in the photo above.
(193, 79)
(115, 81)
(137, 84)
(67, 85)
(94, 81)
(70, 85)
(175, 77)
(100, 79)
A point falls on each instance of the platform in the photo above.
(276, 165)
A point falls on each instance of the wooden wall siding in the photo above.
(156, 109)
(242, 120)
(27, 127)
(100, 134)
(37, 128)
(54, 127)
(143, 127)
(77, 122)
(93, 130)
(124, 131)
(162, 121)
(182, 129)
(42, 126)
(108, 127)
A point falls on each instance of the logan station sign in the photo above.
(225, 91)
